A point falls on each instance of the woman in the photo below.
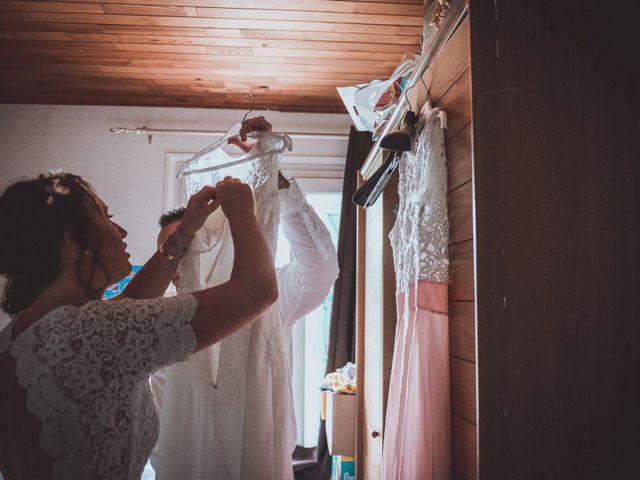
(75, 399)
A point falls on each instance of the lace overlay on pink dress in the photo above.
(416, 435)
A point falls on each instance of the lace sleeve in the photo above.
(143, 335)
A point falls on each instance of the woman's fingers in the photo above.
(200, 206)
(228, 179)
(245, 147)
(254, 124)
(205, 196)
(235, 197)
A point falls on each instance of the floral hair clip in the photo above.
(56, 188)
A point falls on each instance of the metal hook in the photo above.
(253, 103)
(406, 92)
(406, 96)
(426, 88)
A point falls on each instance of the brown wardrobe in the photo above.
(543, 201)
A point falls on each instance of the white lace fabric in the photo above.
(86, 372)
(420, 235)
(226, 412)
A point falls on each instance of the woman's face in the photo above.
(112, 257)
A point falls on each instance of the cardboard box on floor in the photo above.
(341, 423)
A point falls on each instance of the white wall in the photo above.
(127, 171)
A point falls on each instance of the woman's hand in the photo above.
(256, 124)
(235, 198)
(199, 207)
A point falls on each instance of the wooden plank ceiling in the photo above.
(290, 54)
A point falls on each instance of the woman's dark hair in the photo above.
(34, 216)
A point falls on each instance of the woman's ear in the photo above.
(69, 250)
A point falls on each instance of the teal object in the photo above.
(343, 467)
(117, 288)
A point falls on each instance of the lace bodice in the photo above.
(86, 372)
(420, 235)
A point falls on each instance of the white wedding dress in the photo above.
(225, 414)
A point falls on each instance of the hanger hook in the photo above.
(426, 88)
(406, 96)
(253, 103)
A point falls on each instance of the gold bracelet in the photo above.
(177, 237)
(170, 257)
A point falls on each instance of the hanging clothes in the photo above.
(417, 425)
(226, 410)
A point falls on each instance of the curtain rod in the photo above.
(454, 16)
(166, 131)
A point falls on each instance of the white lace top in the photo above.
(86, 373)
(420, 235)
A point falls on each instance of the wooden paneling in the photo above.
(464, 457)
(463, 389)
(227, 36)
(459, 158)
(558, 239)
(461, 214)
(462, 339)
(450, 64)
(458, 104)
(449, 86)
(461, 272)
(259, 47)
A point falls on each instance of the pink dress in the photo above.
(416, 441)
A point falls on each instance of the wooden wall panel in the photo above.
(458, 104)
(450, 64)
(459, 157)
(462, 339)
(461, 214)
(463, 389)
(449, 82)
(461, 280)
(464, 440)
(555, 132)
